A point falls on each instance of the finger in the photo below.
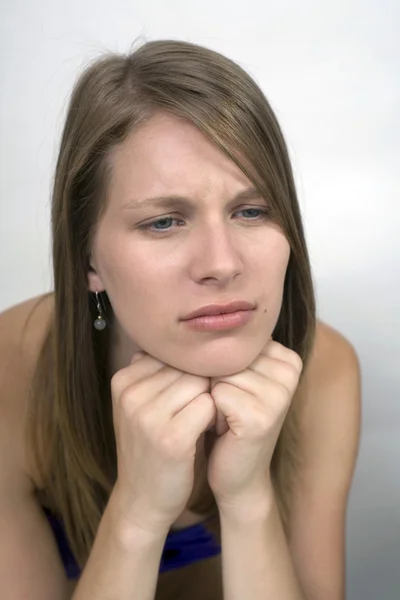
(137, 356)
(142, 366)
(194, 418)
(276, 370)
(221, 425)
(243, 412)
(178, 394)
(247, 380)
(280, 352)
(252, 379)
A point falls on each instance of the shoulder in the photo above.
(331, 352)
(22, 332)
(330, 406)
(333, 359)
(23, 325)
(329, 414)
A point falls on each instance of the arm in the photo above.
(121, 566)
(30, 567)
(124, 561)
(258, 563)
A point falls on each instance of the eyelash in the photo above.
(265, 214)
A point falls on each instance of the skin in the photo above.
(130, 265)
(217, 256)
(211, 253)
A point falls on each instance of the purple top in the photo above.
(181, 548)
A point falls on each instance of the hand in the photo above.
(159, 413)
(254, 404)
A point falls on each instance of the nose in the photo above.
(216, 255)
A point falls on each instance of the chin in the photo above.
(214, 368)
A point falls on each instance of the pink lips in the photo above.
(220, 322)
(220, 309)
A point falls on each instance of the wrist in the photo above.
(130, 525)
(248, 509)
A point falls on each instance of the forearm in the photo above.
(256, 563)
(124, 561)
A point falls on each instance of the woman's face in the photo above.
(215, 250)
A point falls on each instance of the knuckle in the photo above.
(262, 423)
(296, 361)
(220, 386)
(291, 373)
(170, 444)
(125, 401)
(281, 390)
(116, 383)
(144, 419)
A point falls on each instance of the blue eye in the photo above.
(264, 215)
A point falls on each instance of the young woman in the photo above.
(217, 463)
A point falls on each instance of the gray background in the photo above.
(331, 72)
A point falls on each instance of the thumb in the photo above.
(221, 424)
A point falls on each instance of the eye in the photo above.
(252, 210)
(264, 214)
(148, 226)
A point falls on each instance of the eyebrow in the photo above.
(181, 201)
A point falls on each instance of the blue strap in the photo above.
(181, 548)
(186, 546)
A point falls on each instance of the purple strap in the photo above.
(181, 548)
(72, 569)
(186, 546)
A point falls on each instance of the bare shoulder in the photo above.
(330, 406)
(22, 331)
(332, 353)
(30, 564)
(329, 430)
(23, 325)
(332, 379)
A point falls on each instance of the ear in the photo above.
(95, 282)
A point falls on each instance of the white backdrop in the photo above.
(331, 72)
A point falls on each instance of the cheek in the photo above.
(123, 266)
(271, 268)
(139, 284)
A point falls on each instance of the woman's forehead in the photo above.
(172, 156)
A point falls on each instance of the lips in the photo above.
(218, 309)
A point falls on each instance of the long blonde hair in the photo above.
(70, 424)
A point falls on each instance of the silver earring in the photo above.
(100, 322)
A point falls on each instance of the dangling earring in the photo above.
(100, 323)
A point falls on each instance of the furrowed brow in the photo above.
(183, 202)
